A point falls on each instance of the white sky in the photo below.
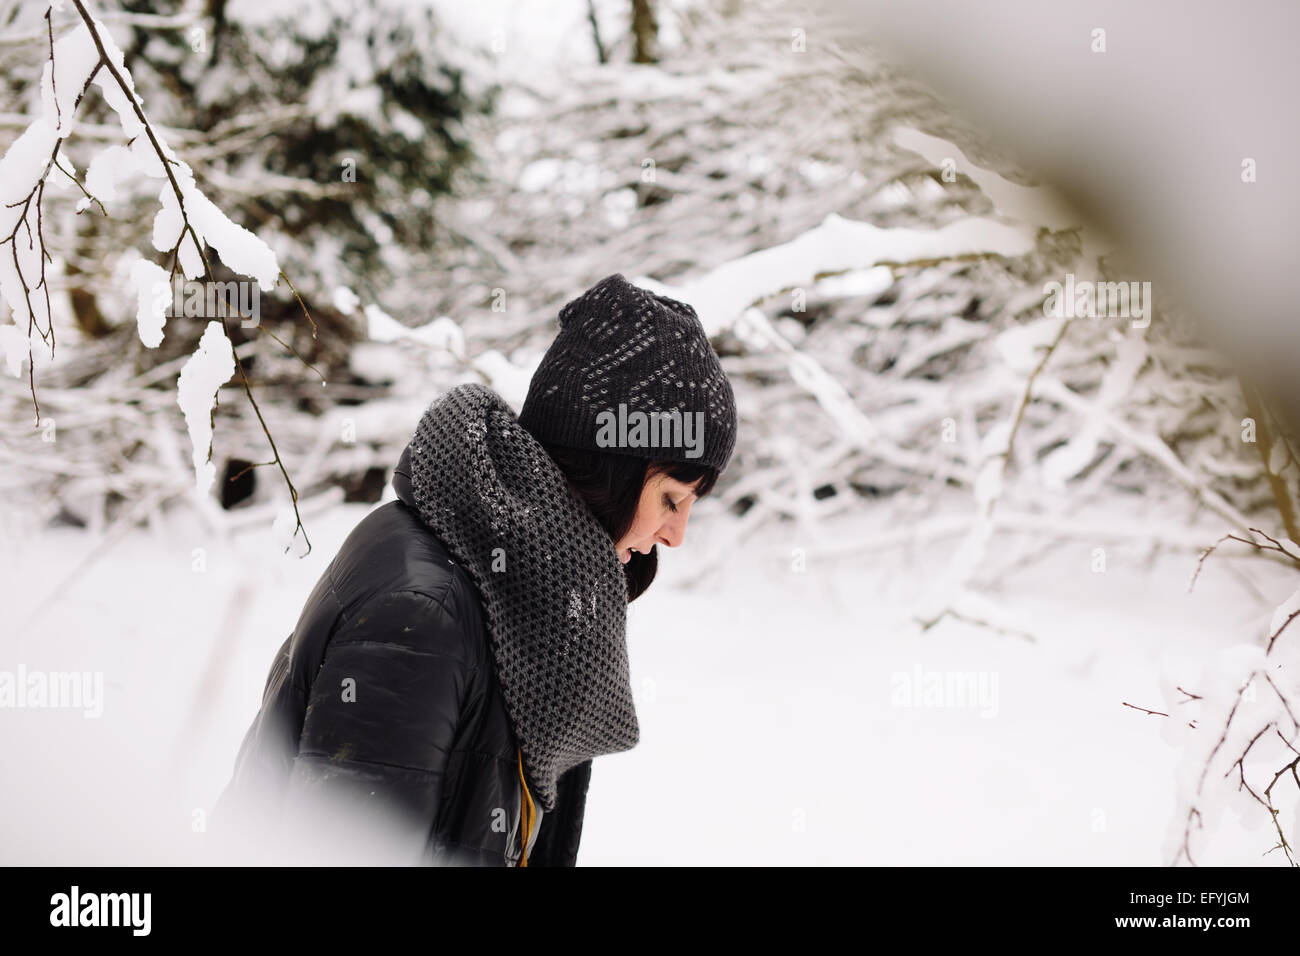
(536, 33)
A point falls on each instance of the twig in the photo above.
(1027, 396)
(1278, 633)
(188, 228)
(1276, 546)
(1144, 710)
(94, 199)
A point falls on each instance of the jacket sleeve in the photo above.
(381, 718)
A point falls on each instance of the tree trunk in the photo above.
(645, 32)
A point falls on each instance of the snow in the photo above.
(1021, 346)
(844, 709)
(442, 333)
(837, 244)
(407, 124)
(1116, 385)
(75, 56)
(153, 291)
(510, 379)
(772, 726)
(107, 169)
(345, 300)
(13, 346)
(539, 174)
(864, 282)
(210, 367)
(1032, 206)
(382, 327)
(241, 250)
(167, 225)
(1284, 611)
(22, 165)
(525, 38)
(284, 530)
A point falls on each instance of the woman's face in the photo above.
(660, 518)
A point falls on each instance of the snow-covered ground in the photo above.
(774, 703)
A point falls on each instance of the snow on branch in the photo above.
(186, 224)
(837, 245)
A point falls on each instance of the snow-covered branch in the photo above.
(82, 56)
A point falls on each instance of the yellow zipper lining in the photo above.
(527, 811)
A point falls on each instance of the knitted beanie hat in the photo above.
(632, 372)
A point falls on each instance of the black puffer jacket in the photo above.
(426, 735)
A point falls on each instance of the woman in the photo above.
(463, 658)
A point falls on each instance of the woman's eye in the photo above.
(669, 502)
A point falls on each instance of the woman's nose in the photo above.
(673, 532)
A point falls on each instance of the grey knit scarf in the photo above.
(551, 584)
